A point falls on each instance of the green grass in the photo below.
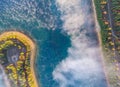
(101, 22)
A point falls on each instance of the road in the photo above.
(110, 18)
(113, 34)
(111, 22)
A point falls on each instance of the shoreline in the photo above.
(24, 38)
(99, 39)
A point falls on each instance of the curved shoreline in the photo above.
(25, 39)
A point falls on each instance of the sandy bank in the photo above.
(28, 42)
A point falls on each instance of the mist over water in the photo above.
(83, 66)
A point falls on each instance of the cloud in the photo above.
(71, 71)
(3, 78)
(1, 81)
(82, 67)
(71, 15)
